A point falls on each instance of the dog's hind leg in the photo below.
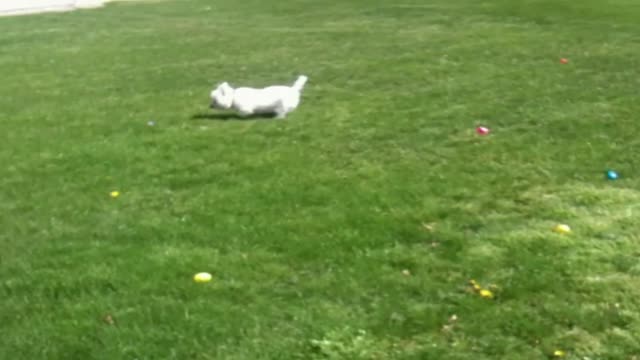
(281, 111)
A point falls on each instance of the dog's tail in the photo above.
(299, 84)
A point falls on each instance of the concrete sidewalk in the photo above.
(21, 7)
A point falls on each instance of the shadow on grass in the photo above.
(230, 116)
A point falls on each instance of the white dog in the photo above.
(279, 100)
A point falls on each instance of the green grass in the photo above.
(307, 224)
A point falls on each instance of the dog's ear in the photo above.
(220, 87)
(225, 87)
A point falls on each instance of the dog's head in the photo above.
(222, 96)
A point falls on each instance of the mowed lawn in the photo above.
(350, 230)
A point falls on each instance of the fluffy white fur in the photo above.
(279, 100)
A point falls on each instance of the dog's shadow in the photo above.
(228, 116)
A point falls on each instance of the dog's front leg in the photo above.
(245, 112)
(281, 111)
